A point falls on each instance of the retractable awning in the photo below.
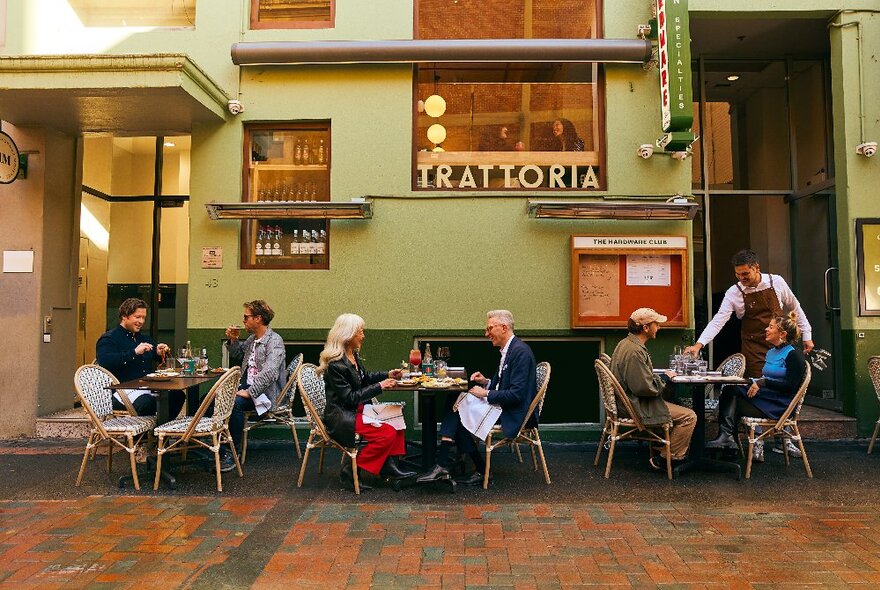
(446, 51)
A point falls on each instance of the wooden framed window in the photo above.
(509, 126)
(286, 163)
(293, 14)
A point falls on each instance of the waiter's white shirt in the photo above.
(733, 303)
(503, 356)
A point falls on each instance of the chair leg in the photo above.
(514, 448)
(109, 457)
(613, 437)
(216, 448)
(299, 453)
(488, 462)
(874, 437)
(785, 448)
(160, 450)
(668, 452)
(602, 438)
(534, 459)
(305, 461)
(244, 442)
(238, 463)
(88, 451)
(321, 460)
(543, 459)
(749, 454)
(134, 472)
(803, 452)
(354, 470)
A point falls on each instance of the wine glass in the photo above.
(443, 353)
(415, 359)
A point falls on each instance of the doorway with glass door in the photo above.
(122, 203)
(762, 170)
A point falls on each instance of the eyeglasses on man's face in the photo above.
(246, 316)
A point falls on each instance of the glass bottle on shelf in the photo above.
(321, 249)
(258, 247)
(314, 191)
(306, 156)
(297, 152)
(276, 245)
(322, 155)
(294, 243)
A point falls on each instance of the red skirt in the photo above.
(383, 442)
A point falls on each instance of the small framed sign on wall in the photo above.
(868, 260)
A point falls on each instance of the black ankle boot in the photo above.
(725, 440)
(392, 470)
(346, 478)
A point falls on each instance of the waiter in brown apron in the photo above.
(756, 299)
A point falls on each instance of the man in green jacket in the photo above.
(632, 366)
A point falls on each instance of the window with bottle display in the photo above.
(286, 164)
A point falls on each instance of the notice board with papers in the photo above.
(612, 276)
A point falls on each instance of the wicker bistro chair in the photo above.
(874, 370)
(525, 435)
(187, 432)
(785, 427)
(314, 399)
(605, 358)
(624, 425)
(281, 411)
(125, 432)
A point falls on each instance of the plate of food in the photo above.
(439, 383)
(407, 382)
(218, 370)
(158, 377)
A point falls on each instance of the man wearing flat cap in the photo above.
(631, 365)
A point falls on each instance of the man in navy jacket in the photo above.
(513, 387)
(130, 354)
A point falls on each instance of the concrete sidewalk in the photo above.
(634, 530)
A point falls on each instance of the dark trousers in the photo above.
(733, 405)
(145, 405)
(236, 419)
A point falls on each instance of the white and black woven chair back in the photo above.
(542, 374)
(606, 388)
(294, 364)
(313, 386)
(224, 398)
(92, 381)
(874, 371)
(733, 366)
(605, 358)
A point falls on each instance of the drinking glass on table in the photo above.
(415, 360)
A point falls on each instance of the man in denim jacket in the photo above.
(263, 373)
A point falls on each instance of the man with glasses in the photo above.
(756, 299)
(263, 374)
(513, 387)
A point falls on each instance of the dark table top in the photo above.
(166, 383)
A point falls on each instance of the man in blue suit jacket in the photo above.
(513, 387)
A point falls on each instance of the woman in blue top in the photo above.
(769, 396)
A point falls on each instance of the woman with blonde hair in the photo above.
(769, 396)
(349, 386)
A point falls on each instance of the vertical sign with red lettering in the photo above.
(674, 52)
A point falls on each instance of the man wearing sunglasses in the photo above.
(263, 373)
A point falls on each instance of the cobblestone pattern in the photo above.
(127, 542)
(120, 542)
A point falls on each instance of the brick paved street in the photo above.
(635, 530)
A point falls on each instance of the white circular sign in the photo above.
(8, 159)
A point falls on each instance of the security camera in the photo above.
(645, 151)
(867, 149)
(680, 156)
(235, 107)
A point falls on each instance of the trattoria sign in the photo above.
(9, 159)
(527, 176)
(674, 54)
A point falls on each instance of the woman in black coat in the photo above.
(349, 386)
